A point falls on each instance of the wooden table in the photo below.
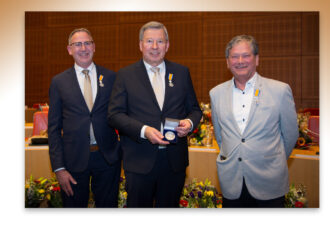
(37, 162)
(304, 168)
(202, 165)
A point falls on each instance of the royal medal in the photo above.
(169, 135)
(100, 81)
(170, 83)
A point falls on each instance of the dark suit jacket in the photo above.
(68, 111)
(134, 104)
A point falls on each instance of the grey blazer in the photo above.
(260, 153)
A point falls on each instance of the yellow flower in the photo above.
(48, 196)
(41, 191)
(219, 206)
(209, 193)
(43, 181)
(207, 182)
(125, 195)
(27, 186)
(203, 127)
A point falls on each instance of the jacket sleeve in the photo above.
(118, 110)
(288, 121)
(55, 127)
(216, 126)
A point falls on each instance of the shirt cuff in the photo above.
(192, 125)
(59, 169)
(142, 132)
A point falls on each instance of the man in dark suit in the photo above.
(83, 148)
(154, 168)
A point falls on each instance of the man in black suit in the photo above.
(154, 168)
(83, 148)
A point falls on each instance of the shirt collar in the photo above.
(250, 83)
(79, 69)
(161, 66)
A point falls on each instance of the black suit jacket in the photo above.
(68, 111)
(134, 104)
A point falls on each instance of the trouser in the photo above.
(247, 201)
(104, 181)
(161, 187)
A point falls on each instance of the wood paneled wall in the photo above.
(289, 46)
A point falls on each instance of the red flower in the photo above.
(57, 189)
(299, 204)
(196, 130)
(184, 203)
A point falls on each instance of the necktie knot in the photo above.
(155, 69)
(85, 71)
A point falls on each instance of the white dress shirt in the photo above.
(242, 100)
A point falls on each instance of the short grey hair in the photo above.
(153, 25)
(79, 30)
(248, 38)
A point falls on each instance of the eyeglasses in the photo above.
(79, 44)
(150, 42)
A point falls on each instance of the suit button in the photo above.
(243, 140)
(239, 159)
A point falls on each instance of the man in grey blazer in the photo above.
(255, 125)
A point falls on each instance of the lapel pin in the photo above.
(170, 77)
(256, 95)
(100, 81)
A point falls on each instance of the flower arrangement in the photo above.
(304, 140)
(200, 195)
(202, 135)
(45, 193)
(296, 197)
(42, 192)
(198, 135)
(122, 195)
